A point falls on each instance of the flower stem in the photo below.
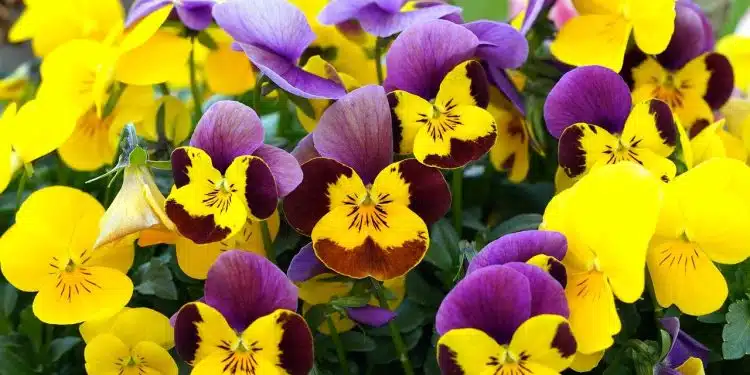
(379, 47)
(267, 241)
(21, 187)
(658, 310)
(457, 187)
(285, 118)
(197, 101)
(398, 341)
(114, 97)
(339, 346)
(258, 91)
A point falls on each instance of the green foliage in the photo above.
(736, 333)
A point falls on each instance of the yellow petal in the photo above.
(593, 40)
(459, 87)
(653, 24)
(138, 34)
(177, 120)
(228, 72)
(683, 275)
(154, 359)
(31, 271)
(154, 61)
(92, 145)
(693, 366)
(95, 327)
(268, 332)
(586, 362)
(599, 6)
(131, 326)
(103, 354)
(470, 350)
(209, 327)
(737, 49)
(546, 340)
(409, 113)
(593, 316)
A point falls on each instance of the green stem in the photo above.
(114, 97)
(267, 241)
(339, 346)
(457, 187)
(163, 88)
(285, 118)
(652, 293)
(379, 47)
(258, 92)
(21, 187)
(197, 101)
(398, 341)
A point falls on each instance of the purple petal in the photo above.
(339, 11)
(274, 25)
(381, 23)
(421, 56)
(495, 300)
(547, 295)
(370, 315)
(227, 130)
(142, 8)
(683, 346)
(520, 247)
(285, 168)
(590, 94)
(291, 78)
(503, 82)
(391, 6)
(245, 286)
(708, 28)
(357, 132)
(533, 9)
(305, 150)
(305, 265)
(500, 44)
(688, 40)
(196, 17)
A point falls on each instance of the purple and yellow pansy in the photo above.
(686, 356)
(246, 322)
(227, 175)
(524, 329)
(591, 113)
(367, 215)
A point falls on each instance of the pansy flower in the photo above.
(599, 35)
(385, 17)
(55, 229)
(317, 287)
(686, 355)
(196, 259)
(505, 319)
(608, 218)
(544, 249)
(49, 26)
(589, 110)
(714, 141)
(736, 47)
(316, 65)
(195, 14)
(227, 175)
(737, 115)
(689, 77)
(134, 340)
(274, 34)
(26, 134)
(246, 323)
(367, 216)
(693, 233)
(434, 61)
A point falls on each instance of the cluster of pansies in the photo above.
(290, 157)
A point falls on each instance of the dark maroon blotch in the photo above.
(664, 119)
(571, 156)
(180, 164)
(429, 195)
(260, 189)
(564, 341)
(721, 83)
(479, 88)
(201, 230)
(448, 362)
(186, 337)
(296, 344)
(396, 123)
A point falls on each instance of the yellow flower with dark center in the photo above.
(56, 228)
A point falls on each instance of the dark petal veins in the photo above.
(309, 202)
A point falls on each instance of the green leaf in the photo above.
(409, 316)
(9, 299)
(30, 326)
(206, 40)
(138, 156)
(665, 342)
(443, 245)
(736, 334)
(13, 364)
(303, 104)
(316, 315)
(385, 352)
(739, 7)
(515, 224)
(156, 280)
(491, 10)
(350, 301)
(421, 292)
(165, 165)
(713, 318)
(354, 341)
(58, 347)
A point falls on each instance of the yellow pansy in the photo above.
(599, 34)
(49, 23)
(177, 121)
(608, 218)
(134, 341)
(737, 49)
(511, 149)
(49, 250)
(715, 141)
(693, 232)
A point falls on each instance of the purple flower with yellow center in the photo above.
(591, 112)
(385, 17)
(367, 215)
(246, 323)
(274, 34)
(506, 318)
(317, 286)
(227, 174)
(686, 355)
(195, 14)
(689, 77)
(440, 93)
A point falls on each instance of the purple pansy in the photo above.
(245, 296)
(544, 249)
(683, 348)
(305, 266)
(384, 18)
(273, 34)
(195, 14)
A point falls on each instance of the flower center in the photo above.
(240, 357)
(670, 91)
(368, 211)
(510, 363)
(72, 278)
(221, 194)
(441, 120)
